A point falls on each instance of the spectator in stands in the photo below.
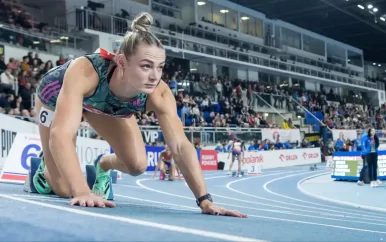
(26, 95)
(61, 61)
(6, 104)
(305, 143)
(279, 145)
(256, 146)
(25, 66)
(339, 144)
(7, 80)
(288, 145)
(266, 145)
(47, 66)
(3, 66)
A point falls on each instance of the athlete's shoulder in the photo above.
(160, 94)
(82, 67)
(81, 76)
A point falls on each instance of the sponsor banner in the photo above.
(208, 160)
(26, 146)
(152, 154)
(254, 161)
(344, 134)
(9, 126)
(284, 135)
(283, 158)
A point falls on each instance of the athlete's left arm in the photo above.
(163, 103)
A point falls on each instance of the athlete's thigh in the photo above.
(123, 135)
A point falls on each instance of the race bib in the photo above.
(46, 116)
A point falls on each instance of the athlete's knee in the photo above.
(137, 168)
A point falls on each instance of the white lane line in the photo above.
(334, 200)
(124, 185)
(179, 229)
(261, 209)
(300, 200)
(274, 218)
(341, 210)
(300, 210)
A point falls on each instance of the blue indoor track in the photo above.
(155, 210)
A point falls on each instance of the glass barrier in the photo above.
(228, 47)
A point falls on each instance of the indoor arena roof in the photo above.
(360, 23)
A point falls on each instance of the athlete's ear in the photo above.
(121, 60)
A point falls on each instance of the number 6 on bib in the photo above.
(46, 116)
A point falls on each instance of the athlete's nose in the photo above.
(153, 77)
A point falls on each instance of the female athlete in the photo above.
(107, 90)
(237, 151)
(166, 159)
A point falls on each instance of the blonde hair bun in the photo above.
(142, 22)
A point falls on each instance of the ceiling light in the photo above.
(360, 6)
(369, 6)
(200, 3)
(244, 18)
(224, 11)
(382, 18)
(374, 64)
(379, 65)
(375, 10)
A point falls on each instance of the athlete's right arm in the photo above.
(79, 81)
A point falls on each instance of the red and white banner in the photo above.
(208, 160)
(284, 158)
(255, 160)
(283, 135)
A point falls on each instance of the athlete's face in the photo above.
(144, 69)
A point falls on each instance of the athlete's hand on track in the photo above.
(210, 208)
(91, 200)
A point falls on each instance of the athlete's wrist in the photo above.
(81, 191)
(205, 204)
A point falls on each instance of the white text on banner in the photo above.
(274, 158)
(9, 126)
